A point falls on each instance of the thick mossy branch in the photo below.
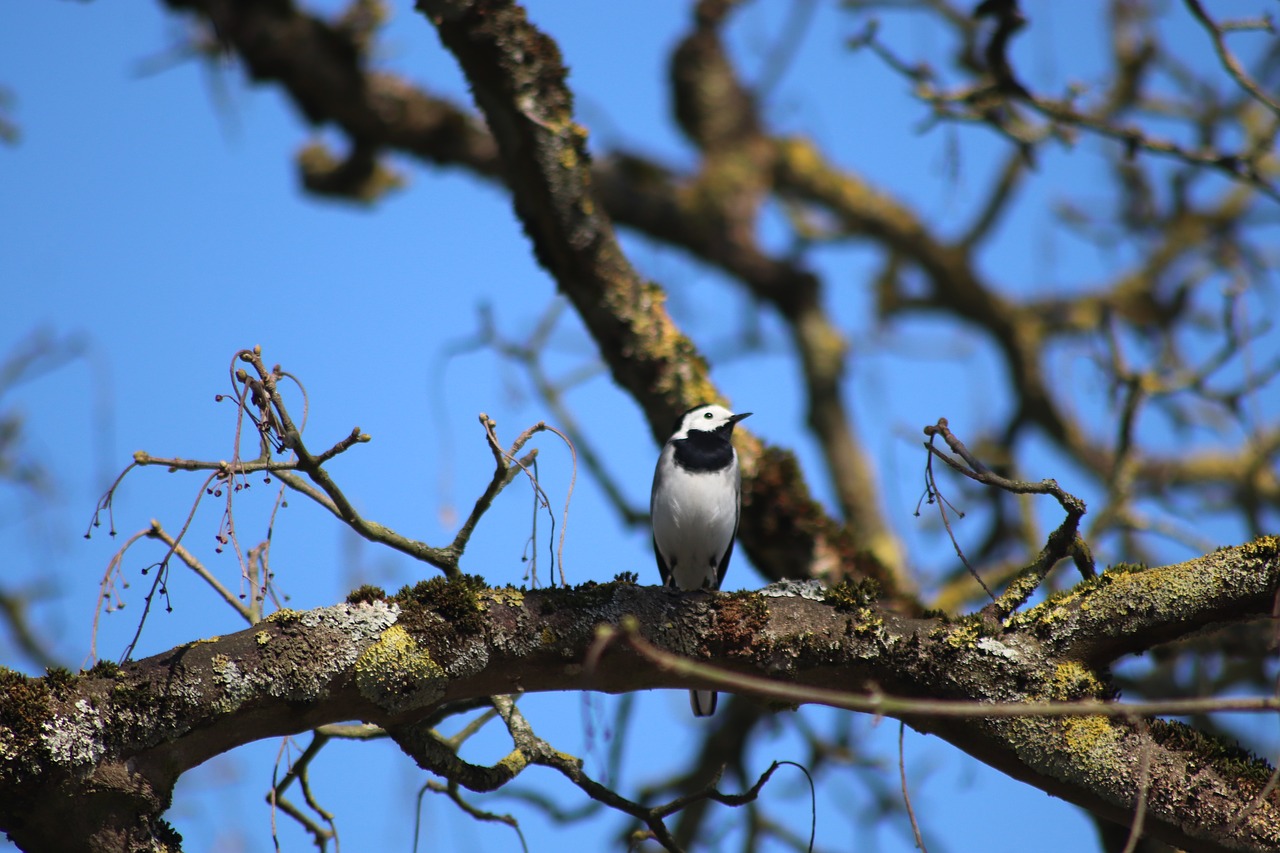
(1124, 611)
(135, 729)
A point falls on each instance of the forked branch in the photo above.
(1064, 542)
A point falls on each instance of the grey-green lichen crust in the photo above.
(295, 672)
(79, 734)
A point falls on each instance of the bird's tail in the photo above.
(703, 702)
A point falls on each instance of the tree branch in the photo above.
(391, 662)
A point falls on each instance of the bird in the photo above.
(694, 508)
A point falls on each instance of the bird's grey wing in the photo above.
(724, 561)
(664, 571)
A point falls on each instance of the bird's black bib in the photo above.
(704, 451)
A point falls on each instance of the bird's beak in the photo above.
(733, 419)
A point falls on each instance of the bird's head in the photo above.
(707, 418)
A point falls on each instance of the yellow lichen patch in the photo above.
(1135, 591)
(1072, 680)
(800, 154)
(514, 762)
(1089, 735)
(1054, 609)
(284, 614)
(963, 636)
(1264, 547)
(504, 595)
(396, 673)
(262, 638)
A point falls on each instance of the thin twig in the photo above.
(298, 771)
(156, 531)
(1063, 542)
(906, 797)
(1228, 59)
(885, 705)
(1144, 784)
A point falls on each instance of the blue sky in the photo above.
(151, 215)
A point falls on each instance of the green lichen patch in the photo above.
(587, 595)
(129, 694)
(60, 680)
(104, 669)
(366, 594)
(396, 673)
(849, 596)
(456, 600)
(24, 709)
(1125, 568)
(1230, 759)
(592, 594)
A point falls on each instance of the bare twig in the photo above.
(934, 495)
(1229, 61)
(885, 705)
(1144, 785)
(906, 797)
(510, 456)
(298, 772)
(176, 549)
(451, 790)
(1063, 542)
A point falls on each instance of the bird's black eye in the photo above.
(708, 416)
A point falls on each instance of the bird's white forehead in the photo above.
(697, 418)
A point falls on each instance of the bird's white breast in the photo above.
(694, 520)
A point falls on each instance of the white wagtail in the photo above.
(695, 506)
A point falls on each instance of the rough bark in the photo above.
(106, 747)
